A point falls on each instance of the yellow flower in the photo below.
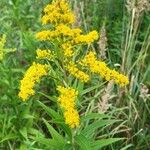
(44, 54)
(46, 35)
(31, 77)
(101, 68)
(67, 48)
(64, 30)
(71, 118)
(73, 70)
(67, 100)
(89, 38)
(58, 12)
(61, 17)
(60, 30)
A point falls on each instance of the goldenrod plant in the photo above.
(69, 66)
(67, 41)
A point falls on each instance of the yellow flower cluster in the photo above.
(101, 68)
(74, 35)
(44, 54)
(46, 35)
(73, 70)
(67, 102)
(61, 17)
(31, 77)
(67, 49)
(89, 38)
(60, 30)
(58, 12)
(65, 30)
(3, 50)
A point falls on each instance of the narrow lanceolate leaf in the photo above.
(92, 127)
(127, 147)
(80, 86)
(23, 132)
(54, 99)
(90, 116)
(97, 145)
(49, 143)
(83, 142)
(53, 114)
(67, 146)
(56, 118)
(55, 135)
(91, 89)
(8, 137)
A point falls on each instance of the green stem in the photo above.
(73, 140)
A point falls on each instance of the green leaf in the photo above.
(57, 118)
(50, 111)
(8, 137)
(54, 99)
(89, 116)
(80, 86)
(35, 132)
(66, 129)
(24, 133)
(95, 125)
(55, 135)
(127, 146)
(67, 146)
(91, 88)
(23, 147)
(74, 85)
(49, 143)
(27, 116)
(103, 142)
(83, 142)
